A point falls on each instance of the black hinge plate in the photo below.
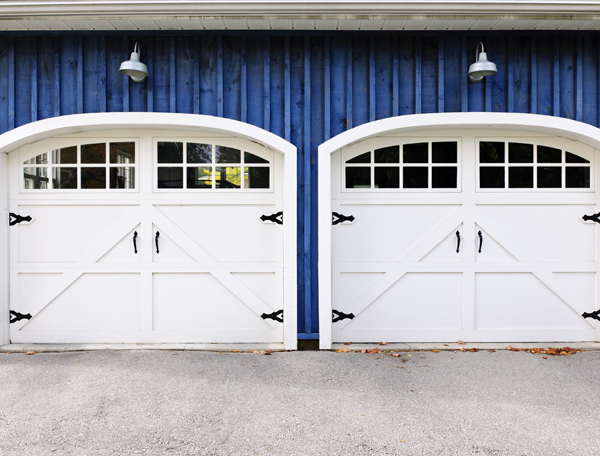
(277, 316)
(340, 218)
(594, 218)
(13, 219)
(275, 218)
(337, 316)
(595, 315)
(16, 316)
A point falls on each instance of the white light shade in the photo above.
(133, 68)
(482, 67)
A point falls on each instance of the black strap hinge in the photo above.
(275, 218)
(595, 217)
(277, 316)
(16, 316)
(13, 219)
(337, 316)
(595, 315)
(340, 218)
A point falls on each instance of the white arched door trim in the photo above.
(214, 126)
(531, 123)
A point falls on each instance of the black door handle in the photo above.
(457, 241)
(480, 240)
(134, 244)
(156, 241)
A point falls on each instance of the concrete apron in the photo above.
(50, 348)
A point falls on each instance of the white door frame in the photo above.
(530, 123)
(77, 123)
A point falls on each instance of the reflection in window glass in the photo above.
(491, 177)
(64, 178)
(227, 155)
(415, 153)
(491, 152)
(358, 177)
(122, 177)
(362, 158)
(548, 155)
(256, 177)
(122, 153)
(520, 177)
(415, 177)
(549, 177)
(443, 177)
(36, 178)
(170, 177)
(388, 155)
(251, 158)
(572, 158)
(199, 153)
(170, 152)
(577, 177)
(93, 177)
(228, 177)
(41, 159)
(444, 152)
(66, 155)
(387, 177)
(199, 177)
(93, 153)
(520, 153)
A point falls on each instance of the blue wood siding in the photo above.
(303, 87)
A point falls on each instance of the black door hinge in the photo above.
(13, 219)
(595, 315)
(277, 316)
(337, 316)
(340, 218)
(595, 217)
(275, 218)
(16, 316)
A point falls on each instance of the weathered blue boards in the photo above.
(306, 88)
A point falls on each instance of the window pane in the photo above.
(387, 177)
(122, 177)
(491, 177)
(66, 155)
(572, 158)
(199, 153)
(228, 177)
(170, 152)
(122, 152)
(257, 177)
(520, 153)
(415, 177)
(443, 177)
(199, 177)
(93, 177)
(227, 155)
(170, 177)
(35, 178)
(251, 158)
(548, 155)
(41, 159)
(64, 178)
(358, 177)
(520, 177)
(415, 153)
(93, 153)
(362, 158)
(444, 152)
(388, 155)
(549, 177)
(577, 177)
(491, 152)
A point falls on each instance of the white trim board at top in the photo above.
(420, 125)
(193, 125)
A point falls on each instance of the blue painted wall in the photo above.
(305, 88)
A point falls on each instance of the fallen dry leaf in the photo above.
(269, 352)
(544, 357)
(375, 350)
(347, 343)
(30, 353)
(382, 343)
(446, 345)
(473, 350)
(460, 342)
(435, 351)
(397, 355)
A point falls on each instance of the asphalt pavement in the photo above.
(159, 402)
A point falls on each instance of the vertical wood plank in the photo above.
(512, 55)
(488, 84)
(172, 76)
(464, 84)
(276, 92)
(196, 62)
(349, 83)
(34, 80)
(125, 79)
(579, 80)
(267, 84)
(327, 88)
(288, 91)
(11, 83)
(151, 78)
(556, 72)
(308, 277)
(209, 99)
(56, 46)
(4, 93)
(418, 81)
(372, 79)
(534, 89)
(395, 78)
(244, 82)
(220, 76)
(183, 78)
(383, 77)
(441, 74)
(339, 73)
(80, 64)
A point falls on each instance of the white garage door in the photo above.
(476, 237)
(146, 239)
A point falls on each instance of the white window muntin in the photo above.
(52, 146)
(371, 145)
(243, 146)
(576, 148)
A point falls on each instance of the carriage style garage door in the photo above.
(146, 238)
(475, 236)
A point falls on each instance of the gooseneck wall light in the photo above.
(136, 70)
(482, 67)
